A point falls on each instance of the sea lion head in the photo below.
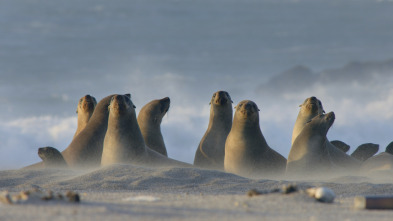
(221, 98)
(154, 111)
(322, 123)
(48, 153)
(247, 110)
(121, 104)
(312, 106)
(86, 104)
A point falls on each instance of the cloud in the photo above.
(22, 137)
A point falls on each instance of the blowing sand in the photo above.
(124, 192)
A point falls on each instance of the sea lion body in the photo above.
(379, 162)
(51, 157)
(149, 120)
(85, 150)
(211, 149)
(124, 142)
(313, 155)
(84, 110)
(246, 150)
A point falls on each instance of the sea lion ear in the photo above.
(128, 95)
(76, 110)
(134, 106)
(210, 103)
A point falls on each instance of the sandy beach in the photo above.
(122, 192)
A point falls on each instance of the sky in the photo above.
(276, 53)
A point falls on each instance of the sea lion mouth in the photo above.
(221, 101)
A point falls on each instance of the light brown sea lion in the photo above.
(310, 108)
(312, 155)
(246, 150)
(149, 120)
(211, 149)
(51, 157)
(378, 163)
(84, 110)
(365, 151)
(124, 142)
(85, 149)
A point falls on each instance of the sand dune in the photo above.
(121, 192)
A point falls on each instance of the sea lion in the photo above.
(51, 157)
(124, 142)
(246, 150)
(211, 149)
(378, 163)
(85, 150)
(149, 120)
(313, 155)
(310, 108)
(84, 110)
(389, 148)
(340, 145)
(365, 151)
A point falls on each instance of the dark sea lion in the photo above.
(84, 110)
(149, 120)
(312, 155)
(124, 142)
(85, 149)
(389, 148)
(365, 151)
(340, 145)
(211, 149)
(246, 150)
(51, 157)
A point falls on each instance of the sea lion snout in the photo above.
(221, 98)
(165, 103)
(247, 108)
(330, 117)
(118, 103)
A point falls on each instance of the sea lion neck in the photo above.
(221, 116)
